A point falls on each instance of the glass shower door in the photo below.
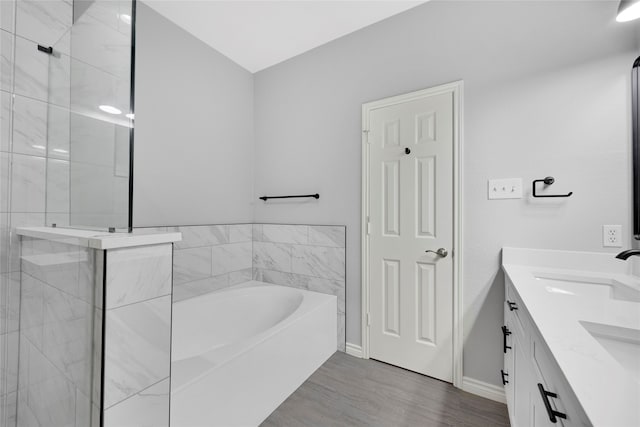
(88, 165)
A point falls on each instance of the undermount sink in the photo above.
(595, 287)
(623, 344)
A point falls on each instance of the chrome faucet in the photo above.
(628, 253)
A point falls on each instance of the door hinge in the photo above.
(368, 226)
(366, 135)
(368, 319)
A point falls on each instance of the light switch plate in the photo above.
(508, 188)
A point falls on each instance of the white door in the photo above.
(410, 212)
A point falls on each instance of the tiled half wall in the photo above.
(214, 257)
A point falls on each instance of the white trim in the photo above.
(486, 390)
(455, 88)
(353, 350)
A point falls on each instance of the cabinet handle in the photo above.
(512, 305)
(505, 333)
(504, 374)
(545, 399)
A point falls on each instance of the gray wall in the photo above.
(194, 129)
(546, 93)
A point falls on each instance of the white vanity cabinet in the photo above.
(536, 391)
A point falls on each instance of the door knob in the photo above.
(407, 150)
(440, 252)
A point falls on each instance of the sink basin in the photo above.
(623, 344)
(594, 287)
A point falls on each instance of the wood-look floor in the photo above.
(347, 391)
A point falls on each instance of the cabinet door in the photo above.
(539, 414)
(508, 371)
(523, 385)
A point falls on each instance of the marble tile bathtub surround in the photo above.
(191, 264)
(214, 257)
(305, 257)
(202, 235)
(210, 258)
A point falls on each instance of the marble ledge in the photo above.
(100, 239)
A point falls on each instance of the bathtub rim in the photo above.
(236, 349)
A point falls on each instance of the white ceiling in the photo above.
(260, 33)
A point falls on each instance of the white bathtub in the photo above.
(238, 353)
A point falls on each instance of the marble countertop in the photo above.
(100, 239)
(608, 391)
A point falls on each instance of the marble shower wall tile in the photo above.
(6, 60)
(9, 365)
(58, 200)
(44, 22)
(29, 126)
(91, 140)
(5, 181)
(7, 10)
(9, 302)
(147, 408)
(6, 108)
(96, 43)
(28, 183)
(32, 309)
(138, 274)
(6, 265)
(31, 70)
(58, 132)
(137, 348)
(10, 242)
(56, 264)
(9, 406)
(67, 339)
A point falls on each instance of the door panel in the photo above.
(411, 211)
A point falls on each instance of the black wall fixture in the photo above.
(46, 49)
(548, 181)
(265, 198)
(635, 132)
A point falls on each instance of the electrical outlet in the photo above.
(612, 236)
(510, 188)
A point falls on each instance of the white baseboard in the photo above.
(480, 388)
(354, 350)
(470, 385)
